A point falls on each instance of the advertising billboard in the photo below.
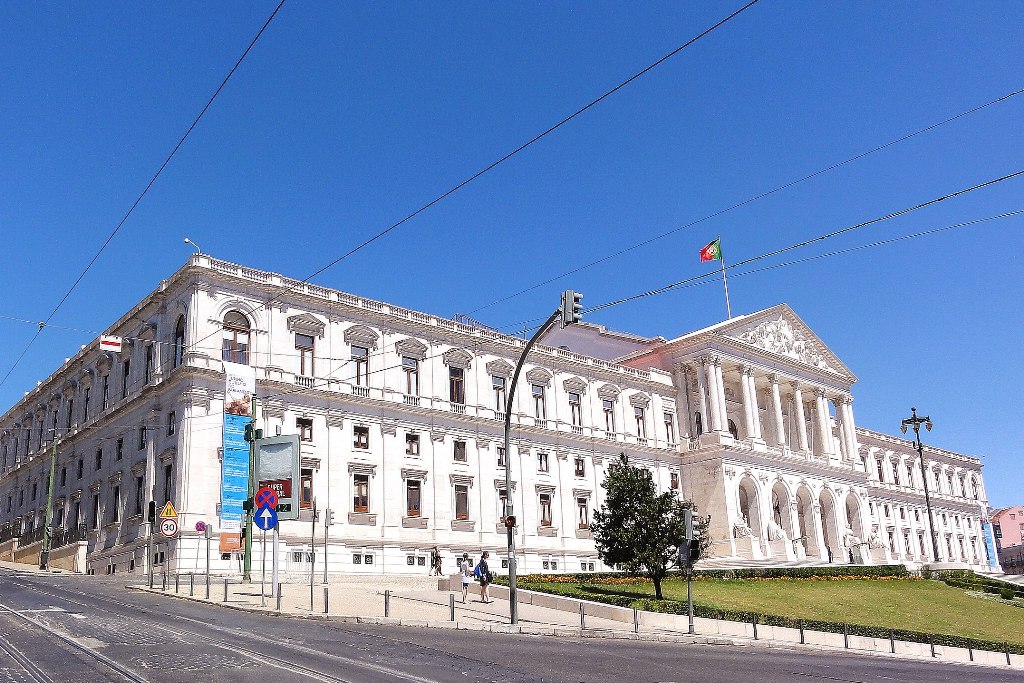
(239, 389)
(277, 467)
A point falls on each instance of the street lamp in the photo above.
(198, 250)
(915, 422)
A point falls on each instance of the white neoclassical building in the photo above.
(400, 418)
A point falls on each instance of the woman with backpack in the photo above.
(483, 573)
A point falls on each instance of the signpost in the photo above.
(169, 527)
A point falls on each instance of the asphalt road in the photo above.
(71, 628)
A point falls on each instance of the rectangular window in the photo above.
(148, 367)
(126, 369)
(115, 514)
(575, 409)
(361, 493)
(545, 509)
(878, 465)
(143, 438)
(304, 350)
(539, 410)
(896, 474)
(501, 456)
(583, 513)
(305, 427)
(99, 460)
(670, 427)
(168, 482)
(412, 444)
(105, 393)
(63, 476)
(35, 489)
(459, 451)
(140, 491)
(673, 479)
(411, 369)
(456, 385)
(502, 504)
(608, 407)
(641, 424)
(81, 467)
(461, 501)
(306, 489)
(581, 467)
(361, 359)
(172, 420)
(95, 510)
(542, 462)
(412, 498)
(119, 449)
(86, 394)
(71, 419)
(498, 385)
(362, 437)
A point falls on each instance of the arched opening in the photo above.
(805, 521)
(236, 338)
(829, 531)
(750, 508)
(781, 516)
(853, 516)
(734, 430)
(698, 421)
(179, 342)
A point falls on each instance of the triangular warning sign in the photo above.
(168, 511)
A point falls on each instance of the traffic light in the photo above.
(248, 435)
(572, 309)
(151, 516)
(510, 521)
(694, 551)
(329, 517)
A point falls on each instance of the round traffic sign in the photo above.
(169, 526)
(200, 526)
(266, 497)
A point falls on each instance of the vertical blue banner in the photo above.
(990, 545)
(239, 388)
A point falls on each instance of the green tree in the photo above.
(639, 529)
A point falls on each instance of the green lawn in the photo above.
(928, 606)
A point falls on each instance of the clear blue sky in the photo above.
(347, 116)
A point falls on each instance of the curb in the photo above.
(568, 632)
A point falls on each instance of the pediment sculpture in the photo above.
(779, 336)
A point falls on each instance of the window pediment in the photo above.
(361, 335)
(539, 376)
(306, 323)
(608, 392)
(575, 385)
(500, 367)
(415, 474)
(412, 348)
(640, 400)
(458, 358)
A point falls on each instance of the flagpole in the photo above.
(725, 280)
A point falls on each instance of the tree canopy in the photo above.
(639, 529)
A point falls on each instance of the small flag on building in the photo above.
(110, 343)
(712, 252)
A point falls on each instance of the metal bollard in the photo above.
(326, 599)
(451, 607)
(846, 636)
(279, 591)
(191, 585)
(970, 650)
(1006, 649)
(931, 644)
(207, 585)
(892, 643)
(387, 603)
(176, 578)
(636, 621)
(754, 622)
(801, 631)
(225, 590)
(583, 618)
(163, 581)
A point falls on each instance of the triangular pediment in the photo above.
(780, 331)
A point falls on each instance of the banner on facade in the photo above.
(990, 546)
(239, 388)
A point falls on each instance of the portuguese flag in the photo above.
(712, 252)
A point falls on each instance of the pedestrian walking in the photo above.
(483, 573)
(466, 571)
(435, 562)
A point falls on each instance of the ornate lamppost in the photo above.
(915, 423)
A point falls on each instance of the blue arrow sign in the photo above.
(266, 518)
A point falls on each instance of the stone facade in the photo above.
(400, 415)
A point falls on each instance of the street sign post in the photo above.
(266, 518)
(200, 526)
(169, 527)
(168, 511)
(266, 497)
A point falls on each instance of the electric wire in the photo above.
(752, 199)
(145, 190)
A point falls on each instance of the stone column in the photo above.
(702, 394)
(748, 412)
(801, 418)
(719, 395)
(849, 432)
(780, 428)
(710, 367)
(755, 409)
(824, 423)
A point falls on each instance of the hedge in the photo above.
(968, 580)
(597, 594)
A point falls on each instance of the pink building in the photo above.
(1008, 526)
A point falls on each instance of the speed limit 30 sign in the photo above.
(169, 527)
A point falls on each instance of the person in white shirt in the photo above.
(466, 570)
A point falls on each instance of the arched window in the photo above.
(734, 430)
(179, 342)
(698, 420)
(236, 338)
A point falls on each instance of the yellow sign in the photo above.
(168, 512)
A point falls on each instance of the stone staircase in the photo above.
(1016, 579)
(741, 563)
